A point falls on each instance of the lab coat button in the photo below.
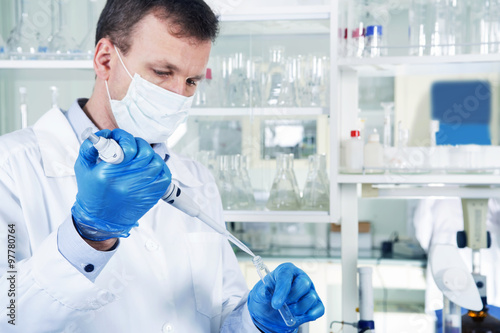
(151, 246)
(167, 327)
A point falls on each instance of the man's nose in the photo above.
(179, 87)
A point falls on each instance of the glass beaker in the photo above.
(315, 195)
(225, 183)
(22, 43)
(284, 192)
(288, 93)
(275, 75)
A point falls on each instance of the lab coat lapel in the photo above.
(58, 144)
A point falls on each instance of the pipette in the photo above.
(111, 149)
(111, 152)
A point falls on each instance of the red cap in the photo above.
(208, 75)
(355, 134)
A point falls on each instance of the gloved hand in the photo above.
(113, 197)
(293, 287)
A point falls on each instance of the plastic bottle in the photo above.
(374, 154)
(354, 150)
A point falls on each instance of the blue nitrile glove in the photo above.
(113, 197)
(294, 287)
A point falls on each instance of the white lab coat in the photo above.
(437, 222)
(173, 274)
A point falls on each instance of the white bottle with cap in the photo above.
(374, 154)
(354, 153)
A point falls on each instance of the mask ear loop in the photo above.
(126, 70)
(123, 64)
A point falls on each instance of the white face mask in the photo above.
(149, 111)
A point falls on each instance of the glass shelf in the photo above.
(365, 257)
(297, 216)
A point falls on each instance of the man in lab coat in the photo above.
(95, 248)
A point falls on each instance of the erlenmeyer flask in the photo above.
(315, 196)
(246, 181)
(22, 43)
(225, 183)
(284, 192)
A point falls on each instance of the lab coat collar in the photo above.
(58, 143)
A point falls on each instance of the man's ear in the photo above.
(102, 58)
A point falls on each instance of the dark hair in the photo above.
(186, 18)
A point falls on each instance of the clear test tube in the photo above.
(452, 317)
(284, 311)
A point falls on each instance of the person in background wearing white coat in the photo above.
(96, 249)
(437, 221)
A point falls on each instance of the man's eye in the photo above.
(160, 73)
(191, 82)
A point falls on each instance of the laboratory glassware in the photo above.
(22, 43)
(322, 171)
(284, 192)
(23, 107)
(275, 75)
(225, 183)
(240, 192)
(315, 195)
(62, 44)
(246, 181)
(374, 154)
(263, 271)
(288, 92)
(418, 18)
(388, 111)
(238, 90)
(87, 45)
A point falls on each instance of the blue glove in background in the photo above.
(293, 287)
(113, 197)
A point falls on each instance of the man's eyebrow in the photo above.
(197, 77)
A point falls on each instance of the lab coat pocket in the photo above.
(205, 257)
